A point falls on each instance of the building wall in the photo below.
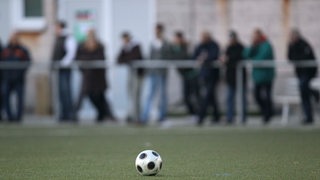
(275, 17)
(110, 19)
(4, 16)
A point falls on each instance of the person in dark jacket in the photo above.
(260, 51)
(0, 82)
(129, 53)
(232, 57)
(14, 80)
(64, 54)
(190, 88)
(300, 51)
(206, 53)
(94, 83)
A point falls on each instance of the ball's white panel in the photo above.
(148, 163)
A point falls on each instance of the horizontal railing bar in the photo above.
(151, 64)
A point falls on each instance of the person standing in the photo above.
(13, 80)
(160, 50)
(130, 53)
(232, 57)
(94, 83)
(261, 51)
(190, 89)
(0, 82)
(206, 53)
(299, 51)
(64, 53)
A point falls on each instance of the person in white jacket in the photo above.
(64, 52)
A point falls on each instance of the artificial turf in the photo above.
(70, 152)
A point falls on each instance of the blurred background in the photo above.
(35, 22)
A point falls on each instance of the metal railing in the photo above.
(166, 64)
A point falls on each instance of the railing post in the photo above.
(239, 91)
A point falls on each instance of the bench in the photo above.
(290, 97)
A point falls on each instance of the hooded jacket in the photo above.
(261, 51)
(300, 51)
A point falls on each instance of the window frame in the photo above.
(23, 23)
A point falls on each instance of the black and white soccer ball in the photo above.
(148, 163)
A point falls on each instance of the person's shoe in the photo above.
(307, 122)
(215, 121)
(129, 120)
(199, 122)
(316, 95)
(140, 123)
(229, 122)
(266, 120)
(100, 119)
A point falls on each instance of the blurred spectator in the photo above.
(190, 87)
(64, 52)
(206, 53)
(13, 81)
(260, 51)
(233, 56)
(94, 81)
(160, 50)
(0, 82)
(129, 53)
(301, 51)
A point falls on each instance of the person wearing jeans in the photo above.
(14, 79)
(232, 57)
(158, 85)
(64, 52)
(160, 50)
(231, 102)
(65, 95)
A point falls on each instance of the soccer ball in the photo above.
(148, 163)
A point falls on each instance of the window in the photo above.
(33, 8)
(28, 15)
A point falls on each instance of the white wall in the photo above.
(136, 17)
(112, 18)
(4, 17)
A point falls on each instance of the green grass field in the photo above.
(67, 152)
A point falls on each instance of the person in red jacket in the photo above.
(13, 80)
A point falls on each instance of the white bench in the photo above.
(290, 97)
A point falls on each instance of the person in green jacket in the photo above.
(190, 86)
(261, 51)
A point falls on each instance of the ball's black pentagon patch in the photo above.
(143, 155)
(151, 165)
(139, 169)
(160, 165)
(154, 153)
